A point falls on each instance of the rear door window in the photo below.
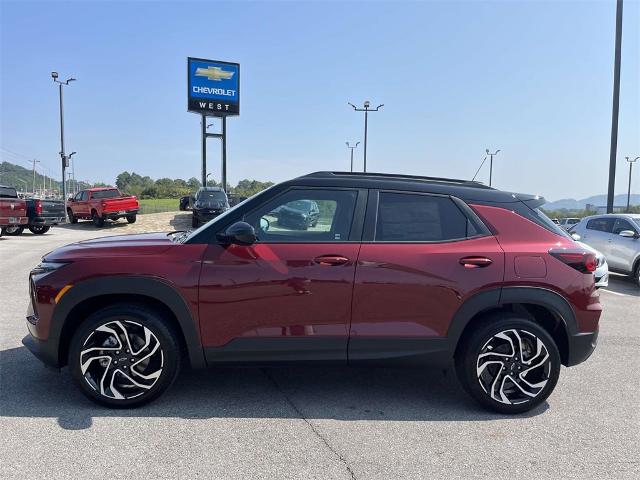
(407, 217)
(602, 224)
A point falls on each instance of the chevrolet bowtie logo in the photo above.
(214, 73)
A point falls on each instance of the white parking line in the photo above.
(617, 293)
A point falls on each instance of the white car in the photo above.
(602, 268)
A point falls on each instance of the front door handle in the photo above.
(330, 260)
(475, 262)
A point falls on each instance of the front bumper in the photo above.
(581, 346)
(207, 214)
(43, 351)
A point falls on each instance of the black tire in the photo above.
(500, 368)
(97, 220)
(72, 217)
(13, 230)
(636, 274)
(135, 318)
(131, 218)
(194, 221)
(39, 229)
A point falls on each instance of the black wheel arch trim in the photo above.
(499, 297)
(152, 287)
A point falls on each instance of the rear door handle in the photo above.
(330, 260)
(475, 262)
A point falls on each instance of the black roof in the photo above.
(465, 189)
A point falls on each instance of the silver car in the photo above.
(617, 236)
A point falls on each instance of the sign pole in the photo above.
(203, 140)
(224, 153)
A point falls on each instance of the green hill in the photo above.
(21, 179)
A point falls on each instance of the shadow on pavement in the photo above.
(623, 285)
(28, 389)
(181, 221)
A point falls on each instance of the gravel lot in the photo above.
(311, 422)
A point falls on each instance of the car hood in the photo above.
(119, 245)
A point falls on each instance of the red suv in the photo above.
(397, 270)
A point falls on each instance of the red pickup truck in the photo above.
(13, 210)
(100, 204)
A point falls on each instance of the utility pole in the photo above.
(491, 155)
(63, 156)
(631, 162)
(366, 111)
(34, 175)
(615, 109)
(352, 148)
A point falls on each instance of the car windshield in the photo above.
(8, 192)
(215, 195)
(106, 194)
(636, 220)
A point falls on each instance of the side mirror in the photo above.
(264, 224)
(71, 199)
(575, 236)
(628, 234)
(240, 233)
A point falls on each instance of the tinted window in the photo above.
(602, 224)
(311, 215)
(8, 192)
(622, 224)
(106, 194)
(419, 218)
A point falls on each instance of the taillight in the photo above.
(585, 262)
(38, 207)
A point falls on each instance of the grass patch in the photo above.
(158, 205)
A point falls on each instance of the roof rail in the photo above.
(399, 176)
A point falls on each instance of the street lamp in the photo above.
(491, 155)
(352, 148)
(63, 157)
(366, 111)
(631, 162)
(74, 184)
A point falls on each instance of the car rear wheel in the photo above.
(509, 364)
(131, 218)
(124, 356)
(39, 229)
(13, 230)
(72, 217)
(98, 221)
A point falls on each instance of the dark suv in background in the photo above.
(209, 202)
(403, 271)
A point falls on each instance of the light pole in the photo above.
(63, 157)
(615, 109)
(34, 175)
(631, 162)
(491, 155)
(366, 111)
(352, 148)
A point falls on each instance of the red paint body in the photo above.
(102, 206)
(13, 211)
(334, 290)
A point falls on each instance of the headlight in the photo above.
(46, 267)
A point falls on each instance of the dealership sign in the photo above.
(214, 87)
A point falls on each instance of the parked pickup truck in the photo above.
(42, 215)
(13, 210)
(100, 204)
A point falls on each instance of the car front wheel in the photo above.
(39, 229)
(131, 218)
(509, 365)
(124, 356)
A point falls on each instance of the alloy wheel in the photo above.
(513, 366)
(121, 359)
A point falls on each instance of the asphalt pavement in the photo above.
(314, 423)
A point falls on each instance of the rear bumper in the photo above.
(10, 221)
(206, 215)
(119, 214)
(581, 346)
(47, 220)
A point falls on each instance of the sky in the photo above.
(533, 79)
